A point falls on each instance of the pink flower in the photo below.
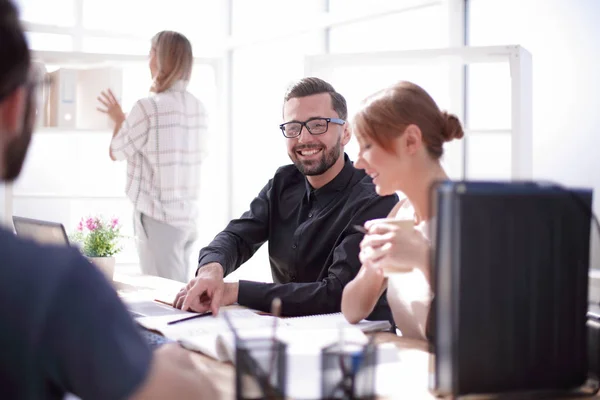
(91, 224)
(80, 225)
(114, 222)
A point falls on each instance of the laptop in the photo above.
(43, 232)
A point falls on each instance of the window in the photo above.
(421, 28)
(49, 41)
(55, 12)
(484, 153)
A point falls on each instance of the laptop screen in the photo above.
(43, 232)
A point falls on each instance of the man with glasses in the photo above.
(306, 212)
(64, 329)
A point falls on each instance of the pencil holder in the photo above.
(260, 369)
(348, 371)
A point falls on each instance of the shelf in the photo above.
(78, 59)
(459, 55)
(63, 131)
(70, 196)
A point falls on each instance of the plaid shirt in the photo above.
(161, 139)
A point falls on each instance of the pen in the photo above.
(188, 318)
(360, 228)
(164, 302)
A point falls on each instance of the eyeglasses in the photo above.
(314, 126)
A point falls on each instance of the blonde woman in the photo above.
(161, 140)
(401, 132)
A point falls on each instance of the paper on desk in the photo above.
(333, 321)
(211, 335)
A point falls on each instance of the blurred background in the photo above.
(247, 52)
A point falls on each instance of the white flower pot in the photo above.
(106, 265)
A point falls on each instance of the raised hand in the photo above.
(111, 107)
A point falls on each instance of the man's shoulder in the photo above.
(22, 257)
(31, 276)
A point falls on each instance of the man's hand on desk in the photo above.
(207, 291)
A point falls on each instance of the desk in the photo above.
(406, 379)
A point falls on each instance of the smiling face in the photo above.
(384, 167)
(315, 155)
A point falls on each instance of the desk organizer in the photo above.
(260, 369)
(348, 371)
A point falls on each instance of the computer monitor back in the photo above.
(510, 277)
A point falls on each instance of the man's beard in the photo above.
(317, 167)
(16, 150)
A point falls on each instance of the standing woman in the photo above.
(401, 132)
(161, 140)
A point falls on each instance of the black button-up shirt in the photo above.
(313, 248)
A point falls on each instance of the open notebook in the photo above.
(334, 321)
(212, 336)
(305, 338)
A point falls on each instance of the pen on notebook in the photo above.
(188, 318)
(360, 228)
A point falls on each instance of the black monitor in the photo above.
(510, 277)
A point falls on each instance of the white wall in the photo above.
(564, 39)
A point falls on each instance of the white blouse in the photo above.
(409, 293)
(162, 140)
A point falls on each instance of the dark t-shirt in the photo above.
(63, 328)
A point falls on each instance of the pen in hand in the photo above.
(188, 318)
(360, 228)
(166, 303)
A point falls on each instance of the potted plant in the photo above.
(99, 242)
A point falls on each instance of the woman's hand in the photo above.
(360, 295)
(112, 107)
(394, 246)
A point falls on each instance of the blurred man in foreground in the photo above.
(64, 330)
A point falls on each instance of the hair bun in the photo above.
(452, 128)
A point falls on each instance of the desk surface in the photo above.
(408, 378)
